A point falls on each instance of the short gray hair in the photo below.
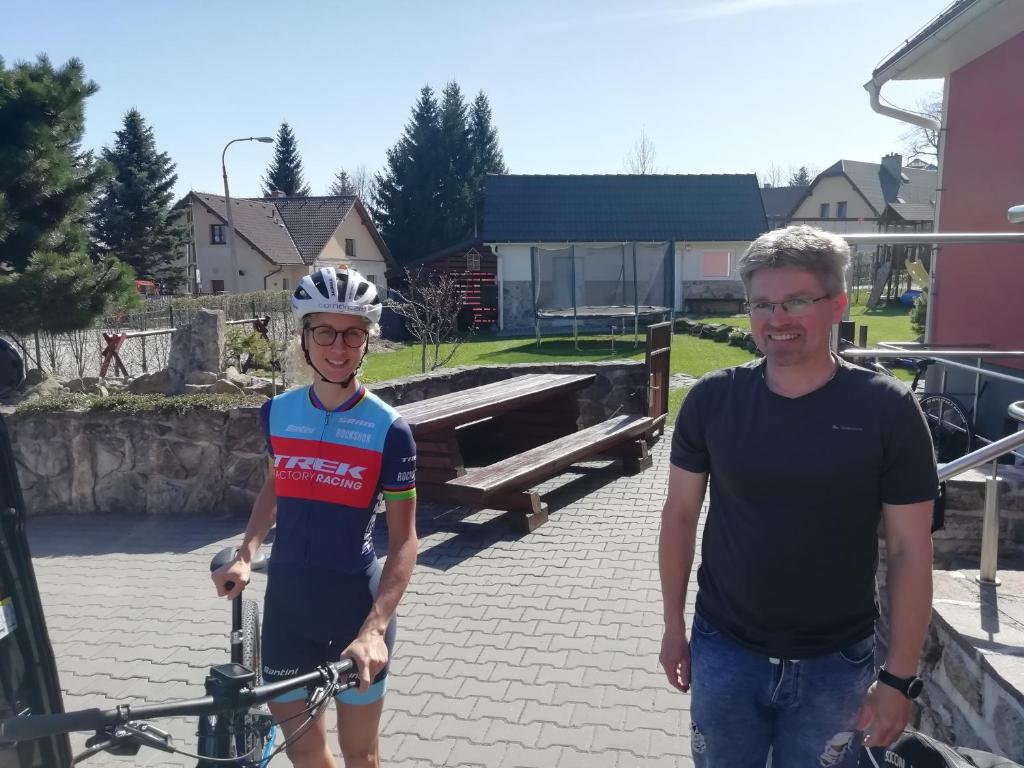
(813, 250)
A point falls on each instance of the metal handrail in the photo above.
(987, 453)
(989, 566)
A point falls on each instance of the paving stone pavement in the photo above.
(513, 651)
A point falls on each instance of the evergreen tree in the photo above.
(407, 195)
(46, 182)
(455, 196)
(486, 153)
(800, 177)
(342, 184)
(130, 216)
(285, 171)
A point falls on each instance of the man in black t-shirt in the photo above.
(806, 455)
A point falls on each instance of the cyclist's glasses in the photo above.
(794, 307)
(324, 336)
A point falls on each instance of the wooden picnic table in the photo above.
(534, 420)
(538, 406)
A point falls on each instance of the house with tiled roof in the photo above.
(779, 203)
(278, 240)
(852, 196)
(594, 243)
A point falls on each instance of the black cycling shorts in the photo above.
(310, 615)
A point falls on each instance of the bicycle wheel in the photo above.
(248, 736)
(949, 425)
(256, 727)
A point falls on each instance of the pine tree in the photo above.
(342, 184)
(407, 195)
(130, 216)
(486, 153)
(800, 177)
(285, 171)
(46, 182)
(455, 194)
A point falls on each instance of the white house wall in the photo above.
(692, 283)
(214, 260)
(368, 261)
(833, 190)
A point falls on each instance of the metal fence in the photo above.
(77, 354)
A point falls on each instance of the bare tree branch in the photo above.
(919, 142)
(430, 306)
(640, 160)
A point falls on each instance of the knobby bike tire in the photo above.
(949, 425)
(249, 732)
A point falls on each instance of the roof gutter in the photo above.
(874, 88)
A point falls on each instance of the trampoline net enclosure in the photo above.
(595, 281)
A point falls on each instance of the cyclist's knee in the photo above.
(361, 757)
(310, 751)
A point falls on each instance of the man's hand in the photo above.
(370, 654)
(883, 716)
(237, 573)
(675, 660)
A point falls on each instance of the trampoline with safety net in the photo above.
(616, 282)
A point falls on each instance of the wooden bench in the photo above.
(506, 484)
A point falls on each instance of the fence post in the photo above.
(990, 532)
(862, 336)
(145, 368)
(39, 352)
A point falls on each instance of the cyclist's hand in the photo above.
(883, 716)
(675, 660)
(370, 654)
(236, 573)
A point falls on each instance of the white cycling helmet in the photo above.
(343, 292)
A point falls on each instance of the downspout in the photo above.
(271, 274)
(874, 87)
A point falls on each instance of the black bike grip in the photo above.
(28, 727)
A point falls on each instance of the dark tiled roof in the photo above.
(259, 222)
(779, 202)
(312, 220)
(880, 187)
(914, 211)
(622, 208)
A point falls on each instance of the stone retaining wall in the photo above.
(958, 545)
(213, 462)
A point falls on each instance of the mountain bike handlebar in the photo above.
(27, 727)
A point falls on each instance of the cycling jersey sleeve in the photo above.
(398, 464)
(265, 425)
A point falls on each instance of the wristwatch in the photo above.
(910, 687)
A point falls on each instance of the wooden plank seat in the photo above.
(506, 484)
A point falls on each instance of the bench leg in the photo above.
(527, 511)
(635, 457)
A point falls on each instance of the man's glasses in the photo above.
(324, 336)
(793, 307)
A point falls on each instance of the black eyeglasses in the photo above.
(795, 307)
(324, 336)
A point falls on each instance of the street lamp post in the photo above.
(227, 205)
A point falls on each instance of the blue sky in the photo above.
(719, 86)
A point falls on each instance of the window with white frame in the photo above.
(716, 264)
(825, 211)
(472, 260)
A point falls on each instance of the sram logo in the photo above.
(317, 464)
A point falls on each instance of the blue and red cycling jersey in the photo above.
(331, 469)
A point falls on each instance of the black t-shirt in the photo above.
(790, 544)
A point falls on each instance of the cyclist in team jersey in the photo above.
(335, 450)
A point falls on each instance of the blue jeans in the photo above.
(745, 706)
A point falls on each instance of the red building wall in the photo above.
(980, 292)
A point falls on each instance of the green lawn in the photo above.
(689, 355)
(886, 323)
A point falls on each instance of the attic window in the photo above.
(472, 260)
(350, 247)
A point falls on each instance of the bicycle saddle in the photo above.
(226, 555)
